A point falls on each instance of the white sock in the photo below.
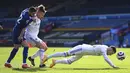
(63, 61)
(24, 63)
(36, 54)
(7, 63)
(41, 55)
(58, 54)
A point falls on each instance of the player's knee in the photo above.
(16, 46)
(74, 58)
(44, 46)
(66, 54)
(25, 43)
(69, 61)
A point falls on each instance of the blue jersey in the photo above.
(23, 20)
(21, 23)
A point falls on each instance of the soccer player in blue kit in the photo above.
(22, 22)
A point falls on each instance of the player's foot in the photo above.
(31, 60)
(53, 63)
(42, 66)
(8, 65)
(25, 66)
(44, 59)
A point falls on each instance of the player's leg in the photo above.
(75, 50)
(41, 56)
(13, 52)
(25, 53)
(39, 53)
(12, 55)
(43, 47)
(58, 54)
(30, 40)
(35, 41)
(31, 58)
(66, 60)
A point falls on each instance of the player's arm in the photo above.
(26, 19)
(108, 60)
(23, 30)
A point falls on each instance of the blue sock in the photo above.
(12, 55)
(25, 54)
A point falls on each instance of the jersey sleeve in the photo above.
(104, 53)
(29, 21)
(25, 14)
(25, 19)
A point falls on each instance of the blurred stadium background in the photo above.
(68, 23)
(75, 21)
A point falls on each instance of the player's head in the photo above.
(32, 11)
(111, 50)
(41, 11)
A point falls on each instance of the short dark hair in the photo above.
(32, 9)
(113, 48)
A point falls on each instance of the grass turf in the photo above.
(87, 64)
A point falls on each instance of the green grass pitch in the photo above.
(87, 64)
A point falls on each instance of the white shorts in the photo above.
(75, 50)
(81, 50)
(32, 40)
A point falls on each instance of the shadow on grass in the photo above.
(45, 69)
(88, 68)
(30, 69)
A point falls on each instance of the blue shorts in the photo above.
(15, 38)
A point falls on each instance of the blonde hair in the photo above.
(43, 7)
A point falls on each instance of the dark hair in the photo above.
(32, 9)
(113, 48)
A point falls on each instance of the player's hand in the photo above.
(20, 38)
(116, 67)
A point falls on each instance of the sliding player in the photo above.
(79, 51)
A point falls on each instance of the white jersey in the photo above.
(33, 28)
(86, 49)
(31, 32)
(94, 49)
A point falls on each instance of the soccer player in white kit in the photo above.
(31, 35)
(79, 51)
